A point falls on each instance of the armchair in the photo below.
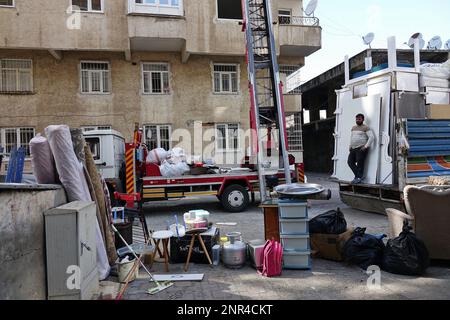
(428, 210)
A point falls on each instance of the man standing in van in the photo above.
(361, 140)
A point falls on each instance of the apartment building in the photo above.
(170, 65)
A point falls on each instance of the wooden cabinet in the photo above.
(271, 220)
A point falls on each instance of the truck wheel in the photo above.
(235, 198)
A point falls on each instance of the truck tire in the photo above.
(235, 198)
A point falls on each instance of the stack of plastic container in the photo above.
(294, 234)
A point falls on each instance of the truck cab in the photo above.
(108, 150)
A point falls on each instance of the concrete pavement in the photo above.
(326, 280)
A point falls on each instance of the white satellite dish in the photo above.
(447, 45)
(368, 38)
(435, 43)
(311, 7)
(415, 36)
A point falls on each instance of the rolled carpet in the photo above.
(70, 172)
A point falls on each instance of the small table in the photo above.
(163, 236)
(196, 233)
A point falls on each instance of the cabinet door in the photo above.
(87, 245)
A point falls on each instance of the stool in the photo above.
(196, 234)
(163, 236)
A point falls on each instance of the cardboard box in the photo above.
(438, 111)
(329, 246)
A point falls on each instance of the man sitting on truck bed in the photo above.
(361, 139)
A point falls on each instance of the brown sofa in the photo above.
(429, 214)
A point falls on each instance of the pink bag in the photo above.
(272, 259)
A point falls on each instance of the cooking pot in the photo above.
(234, 253)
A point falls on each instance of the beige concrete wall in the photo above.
(204, 33)
(22, 253)
(57, 98)
(42, 24)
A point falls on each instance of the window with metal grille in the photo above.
(16, 137)
(16, 75)
(226, 78)
(227, 136)
(88, 5)
(294, 131)
(288, 70)
(284, 16)
(95, 77)
(155, 78)
(158, 136)
(92, 128)
(229, 9)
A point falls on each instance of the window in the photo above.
(164, 7)
(172, 3)
(16, 137)
(6, 3)
(227, 136)
(229, 9)
(158, 136)
(294, 131)
(288, 70)
(155, 78)
(16, 75)
(94, 145)
(226, 78)
(95, 77)
(89, 5)
(92, 128)
(284, 16)
(306, 116)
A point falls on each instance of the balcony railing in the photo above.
(299, 21)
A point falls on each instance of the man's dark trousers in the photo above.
(356, 161)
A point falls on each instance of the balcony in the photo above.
(299, 36)
(156, 25)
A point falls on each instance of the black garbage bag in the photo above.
(364, 250)
(406, 254)
(330, 222)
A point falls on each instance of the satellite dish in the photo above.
(447, 45)
(435, 43)
(415, 36)
(311, 7)
(368, 38)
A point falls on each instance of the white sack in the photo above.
(42, 161)
(176, 156)
(157, 156)
(72, 177)
(436, 70)
(173, 170)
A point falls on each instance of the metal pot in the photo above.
(234, 253)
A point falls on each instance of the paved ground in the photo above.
(326, 280)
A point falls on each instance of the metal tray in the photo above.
(299, 190)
